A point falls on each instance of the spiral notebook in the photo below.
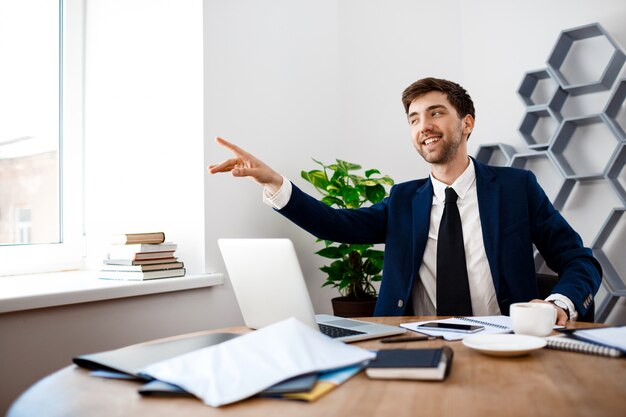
(492, 324)
(563, 342)
(614, 337)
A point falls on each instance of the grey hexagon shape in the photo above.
(617, 173)
(585, 155)
(538, 88)
(616, 109)
(612, 275)
(549, 175)
(497, 154)
(539, 126)
(564, 50)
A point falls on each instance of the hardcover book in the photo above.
(423, 364)
(128, 251)
(166, 260)
(141, 275)
(140, 256)
(133, 238)
(142, 268)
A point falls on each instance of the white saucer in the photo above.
(504, 344)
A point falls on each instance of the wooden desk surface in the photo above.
(544, 383)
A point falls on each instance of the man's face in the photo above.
(437, 131)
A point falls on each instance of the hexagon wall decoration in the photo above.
(577, 153)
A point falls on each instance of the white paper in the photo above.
(246, 365)
(608, 336)
(502, 325)
(493, 324)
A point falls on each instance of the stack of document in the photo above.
(308, 387)
(247, 365)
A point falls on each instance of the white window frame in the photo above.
(70, 253)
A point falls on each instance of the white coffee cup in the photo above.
(534, 319)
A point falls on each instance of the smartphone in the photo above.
(450, 327)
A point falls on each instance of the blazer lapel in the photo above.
(421, 205)
(489, 207)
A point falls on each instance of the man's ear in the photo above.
(468, 124)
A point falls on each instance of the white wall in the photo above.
(291, 80)
(271, 86)
(143, 156)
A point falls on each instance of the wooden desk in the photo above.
(545, 383)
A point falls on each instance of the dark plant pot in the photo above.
(349, 307)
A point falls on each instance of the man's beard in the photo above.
(446, 153)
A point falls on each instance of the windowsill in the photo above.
(27, 292)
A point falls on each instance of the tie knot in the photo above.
(451, 195)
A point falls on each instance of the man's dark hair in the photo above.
(457, 96)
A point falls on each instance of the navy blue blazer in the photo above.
(515, 213)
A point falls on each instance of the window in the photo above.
(41, 189)
(23, 226)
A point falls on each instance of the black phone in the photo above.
(452, 327)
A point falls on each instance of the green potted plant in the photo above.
(354, 267)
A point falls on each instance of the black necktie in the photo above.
(453, 295)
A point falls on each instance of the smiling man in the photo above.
(459, 242)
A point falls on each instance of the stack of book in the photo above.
(141, 256)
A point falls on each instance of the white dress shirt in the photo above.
(482, 290)
(279, 199)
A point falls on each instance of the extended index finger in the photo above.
(230, 146)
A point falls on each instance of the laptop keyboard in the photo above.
(335, 332)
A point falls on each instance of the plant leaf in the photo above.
(360, 248)
(318, 179)
(350, 194)
(348, 166)
(371, 172)
(330, 200)
(330, 252)
(374, 253)
(370, 268)
(338, 169)
(376, 193)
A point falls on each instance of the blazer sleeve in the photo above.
(562, 248)
(364, 225)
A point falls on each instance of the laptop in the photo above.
(269, 287)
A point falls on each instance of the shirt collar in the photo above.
(461, 185)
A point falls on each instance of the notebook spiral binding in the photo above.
(484, 323)
(574, 345)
